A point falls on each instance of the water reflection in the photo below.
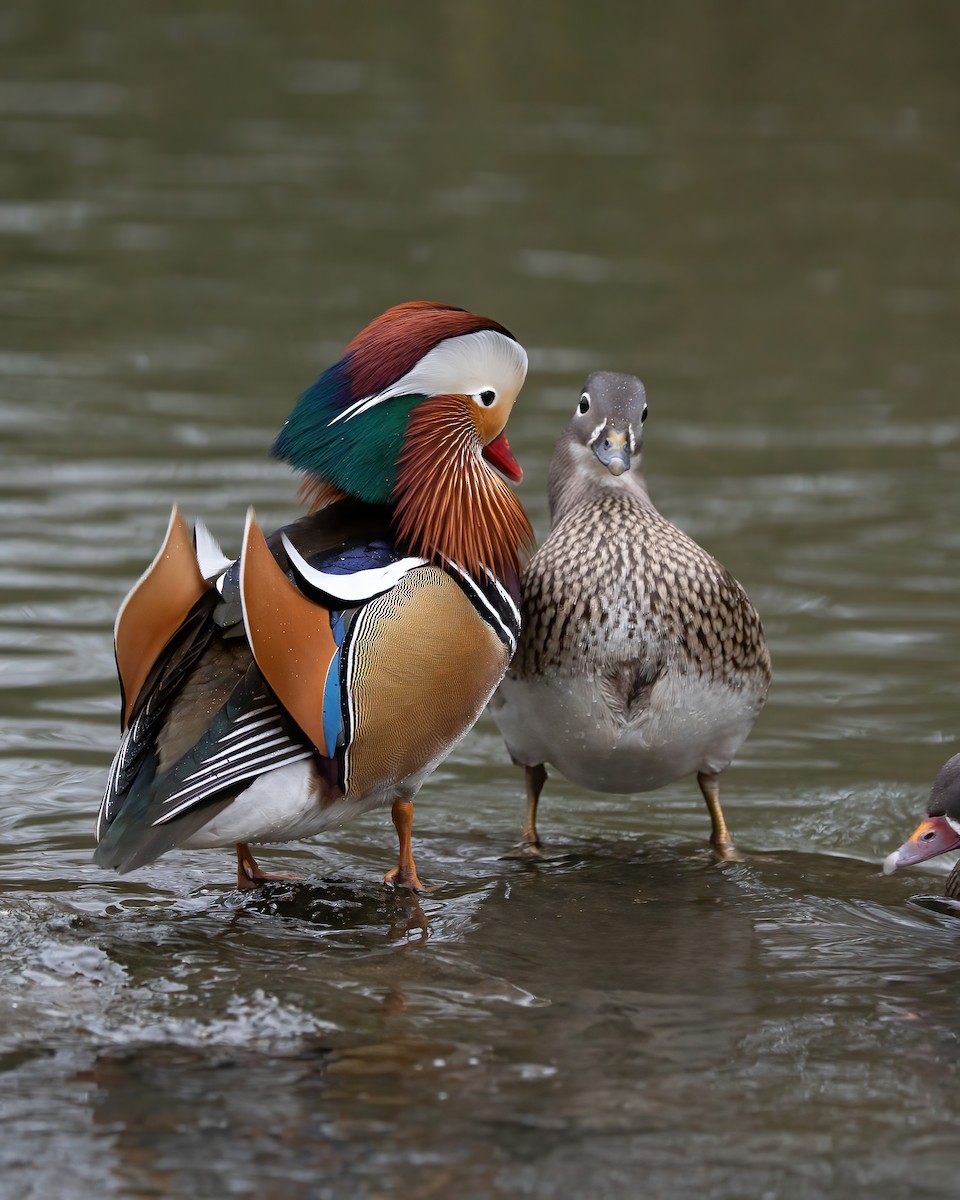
(588, 1003)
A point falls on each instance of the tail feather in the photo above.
(130, 841)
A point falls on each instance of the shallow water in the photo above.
(758, 214)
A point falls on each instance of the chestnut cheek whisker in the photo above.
(449, 501)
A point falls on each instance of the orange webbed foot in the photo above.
(404, 875)
(249, 874)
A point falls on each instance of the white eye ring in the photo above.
(584, 404)
(643, 415)
(487, 397)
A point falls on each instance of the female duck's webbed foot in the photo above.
(404, 874)
(249, 874)
(529, 845)
(720, 838)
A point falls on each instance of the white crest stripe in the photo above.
(461, 365)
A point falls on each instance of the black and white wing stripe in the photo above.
(164, 681)
(250, 736)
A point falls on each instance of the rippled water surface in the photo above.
(756, 210)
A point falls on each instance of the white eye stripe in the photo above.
(463, 365)
(596, 433)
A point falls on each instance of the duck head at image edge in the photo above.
(939, 831)
(333, 666)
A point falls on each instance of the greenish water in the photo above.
(753, 208)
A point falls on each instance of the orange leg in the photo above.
(720, 837)
(404, 874)
(249, 874)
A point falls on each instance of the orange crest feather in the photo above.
(316, 493)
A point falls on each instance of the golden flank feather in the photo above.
(449, 502)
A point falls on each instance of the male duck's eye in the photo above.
(584, 403)
(643, 415)
(487, 397)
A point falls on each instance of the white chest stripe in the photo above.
(510, 634)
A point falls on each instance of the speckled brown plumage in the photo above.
(641, 658)
(619, 582)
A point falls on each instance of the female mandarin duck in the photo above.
(939, 831)
(336, 663)
(641, 659)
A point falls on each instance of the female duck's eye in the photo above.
(487, 397)
(584, 403)
(643, 415)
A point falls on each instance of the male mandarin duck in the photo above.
(334, 665)
(641, 659)
(939, 831)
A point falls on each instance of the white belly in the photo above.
(281, 806)
(688, 726)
